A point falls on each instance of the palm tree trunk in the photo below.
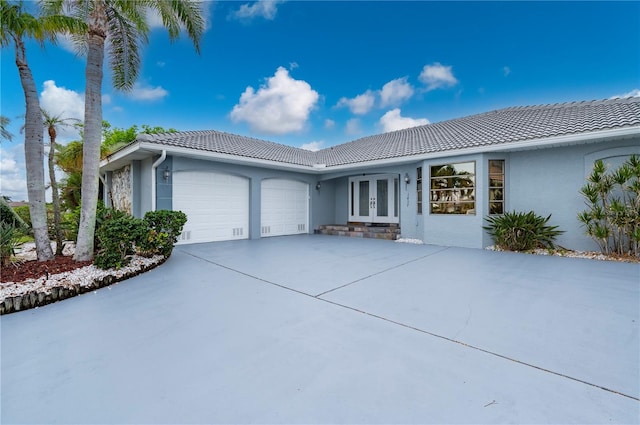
(55, 196)
(92, 133)
(34, 156)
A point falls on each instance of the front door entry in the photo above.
(374, 199)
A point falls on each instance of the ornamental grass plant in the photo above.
(518, 231)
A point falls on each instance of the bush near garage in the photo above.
(517, 231)
(117, 238)
(120, 235)
(163, 229)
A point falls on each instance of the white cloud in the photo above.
(437, 76)
(353, 127)
(312, 146)
(66, 104)
(61, 101)
(147, 93)
(395, 92)
(266, 9)
(329, 124)
(506, 71)
(392, 121)
(280, 106)
(360, 104)
(632, 93)
(13, 182)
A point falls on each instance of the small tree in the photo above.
(51, 123)
(612, 217)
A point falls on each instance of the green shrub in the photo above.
(516, 231)
(22, 211)
(163, 229)
(612, 217)
(117, 237)
(8, 240)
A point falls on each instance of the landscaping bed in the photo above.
(30, 283)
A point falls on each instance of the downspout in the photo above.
(155, 165)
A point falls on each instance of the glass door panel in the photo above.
(364, 199)
(382, 198)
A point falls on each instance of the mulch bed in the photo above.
(21, 271)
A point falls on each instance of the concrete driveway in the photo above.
(321, 329)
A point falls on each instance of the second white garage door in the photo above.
(216, 205)
(285, 207)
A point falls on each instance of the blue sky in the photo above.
(314, 74)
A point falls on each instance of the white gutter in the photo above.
(160, 160)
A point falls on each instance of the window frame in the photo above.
(491, 188)
(454, 206)
(419, 200)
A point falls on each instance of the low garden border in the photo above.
(41, 294)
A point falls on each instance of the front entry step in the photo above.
(390, 231)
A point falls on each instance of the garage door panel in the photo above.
(285, 207)
(217, 205)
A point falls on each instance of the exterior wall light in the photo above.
(318, 186)
(407, 179)
(166, 174)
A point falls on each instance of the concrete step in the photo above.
(391, 232)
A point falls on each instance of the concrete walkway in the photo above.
(321, 329)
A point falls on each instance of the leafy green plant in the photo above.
(117, 237)
(163, 229)
(517, 231)
(8, 241)
(612, 217)
(22, 211)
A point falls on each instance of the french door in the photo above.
(374, 199)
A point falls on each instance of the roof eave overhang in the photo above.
(140, 149)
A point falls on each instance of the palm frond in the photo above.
(126, 30)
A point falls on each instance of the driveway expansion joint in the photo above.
(381, 272)
(407, 326)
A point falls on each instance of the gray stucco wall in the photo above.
(548, 181)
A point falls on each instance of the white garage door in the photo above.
(285, 207)
(216, 205)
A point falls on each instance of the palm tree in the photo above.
(4, 133)
(52, 122)
(17, 24)
(123, 23)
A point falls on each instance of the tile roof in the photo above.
(502, 126)
(232, 144)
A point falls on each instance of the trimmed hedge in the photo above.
(120, 235)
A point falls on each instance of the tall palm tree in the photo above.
(16, 24)
(51, 123)
(123, 24)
